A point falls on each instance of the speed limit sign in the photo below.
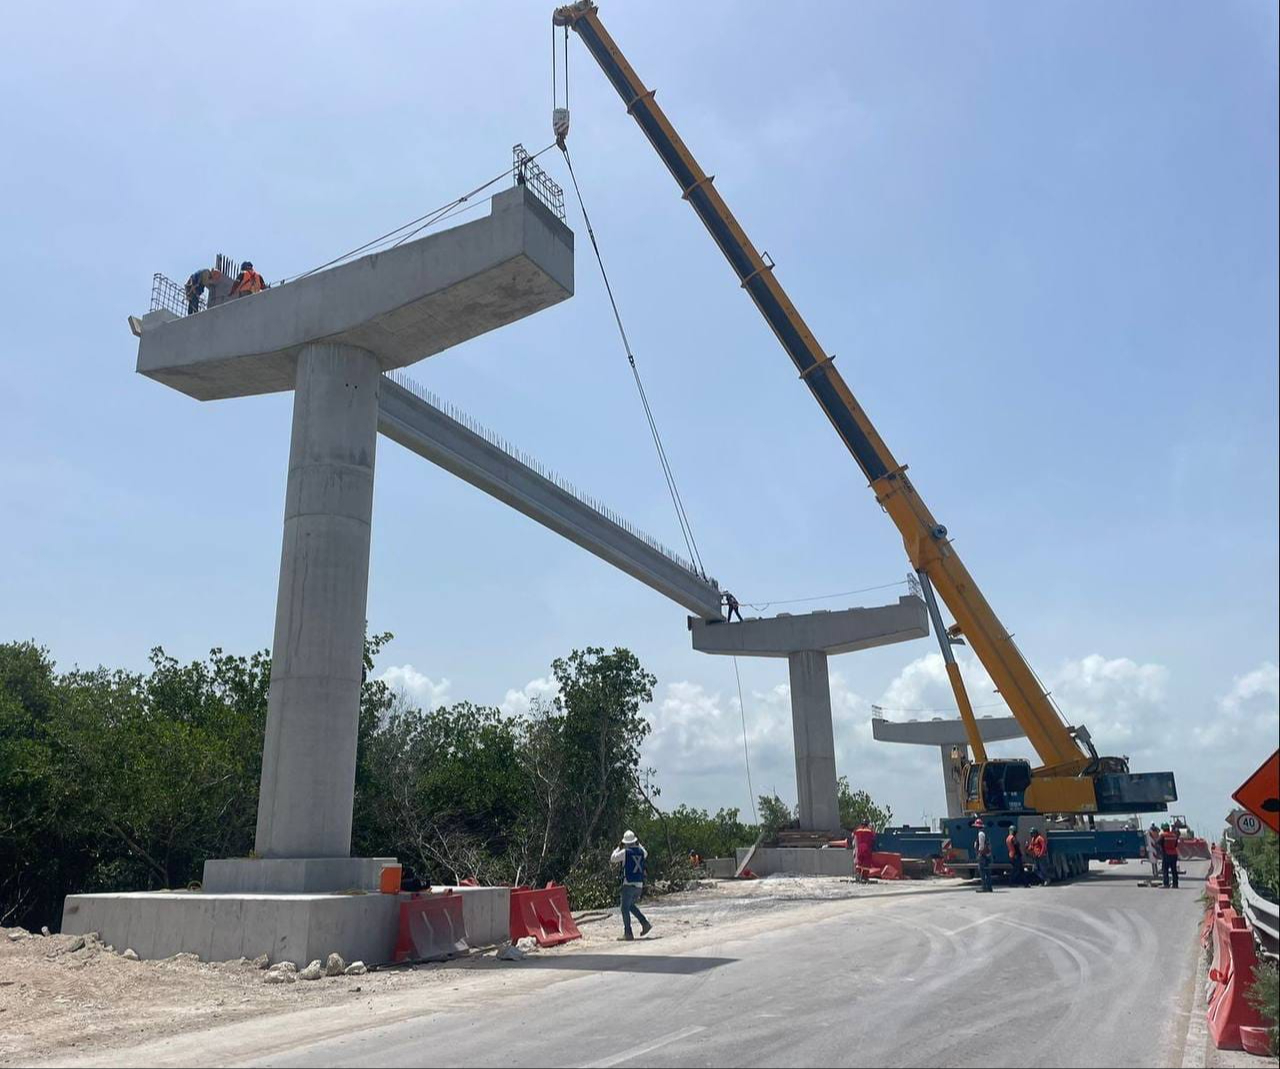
(1248, 824)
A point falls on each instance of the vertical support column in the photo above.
(815, 741)
(309, 756)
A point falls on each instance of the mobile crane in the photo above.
(1071, 778)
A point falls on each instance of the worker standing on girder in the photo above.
(984, 856)
(248, 282)
(1017, 874)
(731, 603)
(632, 856)
(196, 285)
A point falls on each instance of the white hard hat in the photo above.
(629, 837)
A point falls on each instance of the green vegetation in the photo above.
(1264, 995)
(114, 780)
(857, 806)
(1260, 854)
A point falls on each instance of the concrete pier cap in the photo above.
(402, 304)
(952, 741)
(806, 640)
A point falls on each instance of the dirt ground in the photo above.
(66, 998)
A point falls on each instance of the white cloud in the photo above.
(1248, 714)
(421, 689)
(1123, 703)
(518, 702)
(1132, 708)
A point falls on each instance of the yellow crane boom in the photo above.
(1065, 780)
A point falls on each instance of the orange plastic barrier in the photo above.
(543, 915)
(431, 928)
(884, 866)
(1234, 961)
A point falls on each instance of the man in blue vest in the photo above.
(632, 857)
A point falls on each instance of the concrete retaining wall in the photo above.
(720, 868)
(297, 928)
(770, 860)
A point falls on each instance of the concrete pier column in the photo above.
(815, 741)
(309, 756)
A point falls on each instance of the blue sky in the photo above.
(1041, 241)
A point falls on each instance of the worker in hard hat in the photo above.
(1039, 850)
(1017, 874)
(1153, 851)
(631, 855)
(864, 842)
(731, 604)
(984, 856)
(1169, 855)
(196, 284)
(248, 282)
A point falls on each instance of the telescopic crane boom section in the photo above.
(1064, 782)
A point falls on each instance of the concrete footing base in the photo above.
(290, 875)
(771, 860)
(286, 927)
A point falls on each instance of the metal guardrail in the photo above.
(1263, 916)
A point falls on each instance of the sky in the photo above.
(1042, 242)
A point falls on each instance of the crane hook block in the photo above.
(560, 125)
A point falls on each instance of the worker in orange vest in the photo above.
(1039, 849)
(864, 841)
(1169, 854)
(1017, 874)
(248, 282)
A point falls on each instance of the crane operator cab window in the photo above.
(998, 785)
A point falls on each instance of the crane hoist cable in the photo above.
(746, 753)
(421, 223)
(682, 516)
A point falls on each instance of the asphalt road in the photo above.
(1096, 972)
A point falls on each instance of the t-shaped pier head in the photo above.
(806, 641)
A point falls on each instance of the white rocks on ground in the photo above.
(356, 968)
(334, 965)
(273, 977)
(261, 961)
(283, 966)
(312, 972)
(130, 954)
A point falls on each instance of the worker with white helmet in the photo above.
(631, 854)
